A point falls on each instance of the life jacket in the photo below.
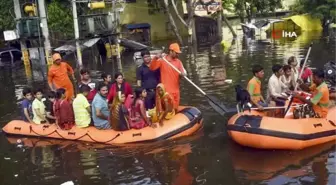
(256, 94)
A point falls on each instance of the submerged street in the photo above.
(207, 158)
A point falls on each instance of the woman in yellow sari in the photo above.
(164, 106)
(119, 113)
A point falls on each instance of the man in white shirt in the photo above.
(276, 89)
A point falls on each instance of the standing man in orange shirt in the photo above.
(58, 76)
(169, 77)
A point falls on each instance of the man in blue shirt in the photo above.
(100, 110)
(148, 79)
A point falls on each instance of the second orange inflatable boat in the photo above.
(259, 131)
(186, 122)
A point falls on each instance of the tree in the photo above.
(248, 8)
(7, 15)
(323, 9)
(60, 17)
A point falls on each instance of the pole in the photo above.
(219, 25)
(117, 37)
(78, 49)
(45, 31)
(24, 49)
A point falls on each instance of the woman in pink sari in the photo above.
(138, 116)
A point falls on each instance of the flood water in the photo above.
(207, 158)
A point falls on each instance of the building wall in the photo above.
(160, 29)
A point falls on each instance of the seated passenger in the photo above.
(49, 104)
(254, 87)
(39, 113)
(164, 106)
(107, 79)
(137, 112)
(287, 77)
(81, 107)
(86, 80)
(100, 111)
(320, 99)
(119, 113)
(65, 118)
(276, 88)
(26, 106)
(307, 73)
(119, 85)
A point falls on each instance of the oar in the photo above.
(214, 102)
(304, 65)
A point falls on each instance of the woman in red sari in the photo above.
(164, 106)
(63, 111)
(119, 85)
(138, 116)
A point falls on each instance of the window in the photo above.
(6, 57)
(17, 55)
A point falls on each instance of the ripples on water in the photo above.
(207, 158)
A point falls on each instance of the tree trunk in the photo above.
(229, 25)
(219, 25)
(172, 22)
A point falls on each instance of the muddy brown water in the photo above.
(208, 157)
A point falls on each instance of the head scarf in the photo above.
(158, 98)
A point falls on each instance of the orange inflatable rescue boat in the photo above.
(186, 122)
(259, 131)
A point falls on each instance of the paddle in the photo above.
(213, 101)
(304, 65)
(299, 77)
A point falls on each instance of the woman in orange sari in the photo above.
(164, 106)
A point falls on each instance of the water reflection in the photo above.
(209, 159)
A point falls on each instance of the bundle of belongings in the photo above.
(305, 111)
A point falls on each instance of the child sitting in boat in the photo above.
(164, 106)
(254, 87)
(119, 113)
(39, 113)
(65, 118)
(320, 91)
(49, 104)
(81, 107)
(137, 112)
(26, 105)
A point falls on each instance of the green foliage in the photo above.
(322, 9)
(248, 8)
(60, 17)
(7, 15)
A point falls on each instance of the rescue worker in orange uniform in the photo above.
(58, 76)
(320, 91)
(254, 87)
(169, 77)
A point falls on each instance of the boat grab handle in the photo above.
(71, 133)
(318, 125)
(137, 134)
(17, 128)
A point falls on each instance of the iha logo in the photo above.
(277, 34)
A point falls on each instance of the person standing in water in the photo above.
(58, 76)
(169, 77)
